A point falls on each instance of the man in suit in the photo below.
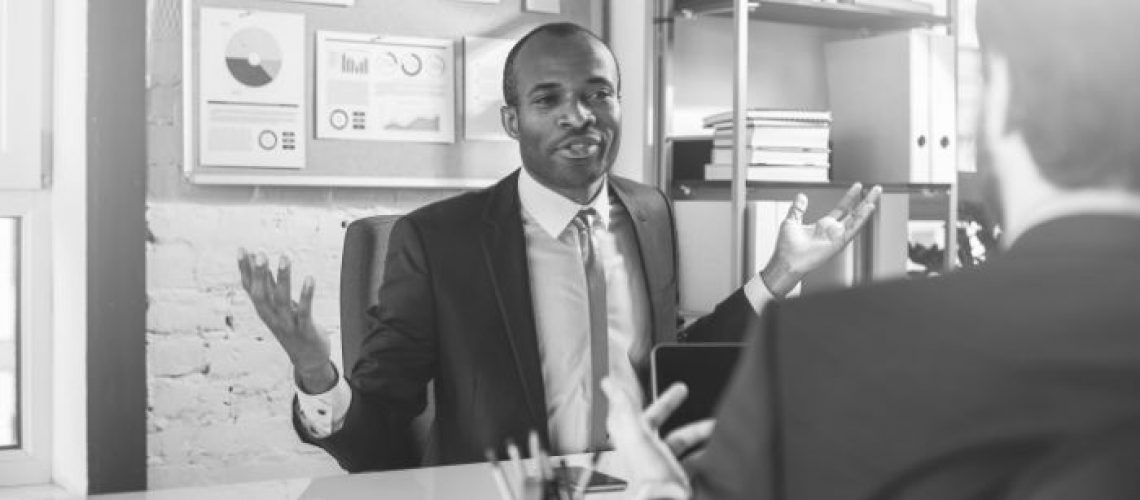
(517, 299)
(947, 388)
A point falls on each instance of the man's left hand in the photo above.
(657, 473)
(800, 247)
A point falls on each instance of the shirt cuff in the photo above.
(323, 414)
(758, 293)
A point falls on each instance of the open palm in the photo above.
(801, 248)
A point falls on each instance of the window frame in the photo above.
(26, 89)
(30, 462)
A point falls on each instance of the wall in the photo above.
(219, 386)
(116, 162)
(785, 63)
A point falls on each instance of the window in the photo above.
(9, 321)
(25, 244)
(25, 335)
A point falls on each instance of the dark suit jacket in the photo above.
(455, 306)
(839, 395)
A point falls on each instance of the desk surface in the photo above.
(470, 481)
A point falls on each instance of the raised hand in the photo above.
(653, 461)
(800, 248)
(291, 322)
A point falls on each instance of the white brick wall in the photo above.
(219, 386)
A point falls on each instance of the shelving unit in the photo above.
(854, 18)
(816, 13)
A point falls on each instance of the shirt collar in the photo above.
(552, 211)
(1087, 201)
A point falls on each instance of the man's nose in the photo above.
(576, 115)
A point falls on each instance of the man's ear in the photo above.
(997, 119)
(510, 117)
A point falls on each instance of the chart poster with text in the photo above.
(483, 60)
(384, 88)
(251, 76)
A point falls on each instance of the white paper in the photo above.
(479, 1)
(251, 76)
(547, 6)
(384, 88)
(483, 87)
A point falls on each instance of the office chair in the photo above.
(1102, 465)
(361, 272)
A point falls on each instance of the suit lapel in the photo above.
(655, 245)
(504, 251)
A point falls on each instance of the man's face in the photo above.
(568, 119)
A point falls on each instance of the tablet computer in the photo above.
(705, 367)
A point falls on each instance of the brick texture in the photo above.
(219, 386)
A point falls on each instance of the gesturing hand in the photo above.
(800, 248)
(657, 472)
(291, 322)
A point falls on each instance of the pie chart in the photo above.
(253, 57)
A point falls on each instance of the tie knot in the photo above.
(585, 217)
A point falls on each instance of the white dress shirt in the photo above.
(561, 311)
(561, 304)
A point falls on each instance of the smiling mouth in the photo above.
(577, 149)
(580, 151)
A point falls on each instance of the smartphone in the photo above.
(599, 481)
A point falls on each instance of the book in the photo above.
(771, 116)
(770, 173)
(811, 157)
(777, 137)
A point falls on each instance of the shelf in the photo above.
(721, 190)
(815, 13)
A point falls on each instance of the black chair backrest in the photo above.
(361, 273)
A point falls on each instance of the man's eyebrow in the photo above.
(600, 80)
(544, 87)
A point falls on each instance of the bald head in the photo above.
(545, 33)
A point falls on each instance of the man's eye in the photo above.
(601, 95)
(545, 100)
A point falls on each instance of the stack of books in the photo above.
(783, 145)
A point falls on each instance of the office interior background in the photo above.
(131, 357)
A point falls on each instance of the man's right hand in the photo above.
(290, 321)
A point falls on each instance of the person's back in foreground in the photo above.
(867, 392)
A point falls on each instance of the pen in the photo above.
(563, 481)
(505, 490)
(584, 479)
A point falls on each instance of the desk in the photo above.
(467, 482)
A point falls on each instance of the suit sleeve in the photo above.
(397, 360)
(741, 461)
